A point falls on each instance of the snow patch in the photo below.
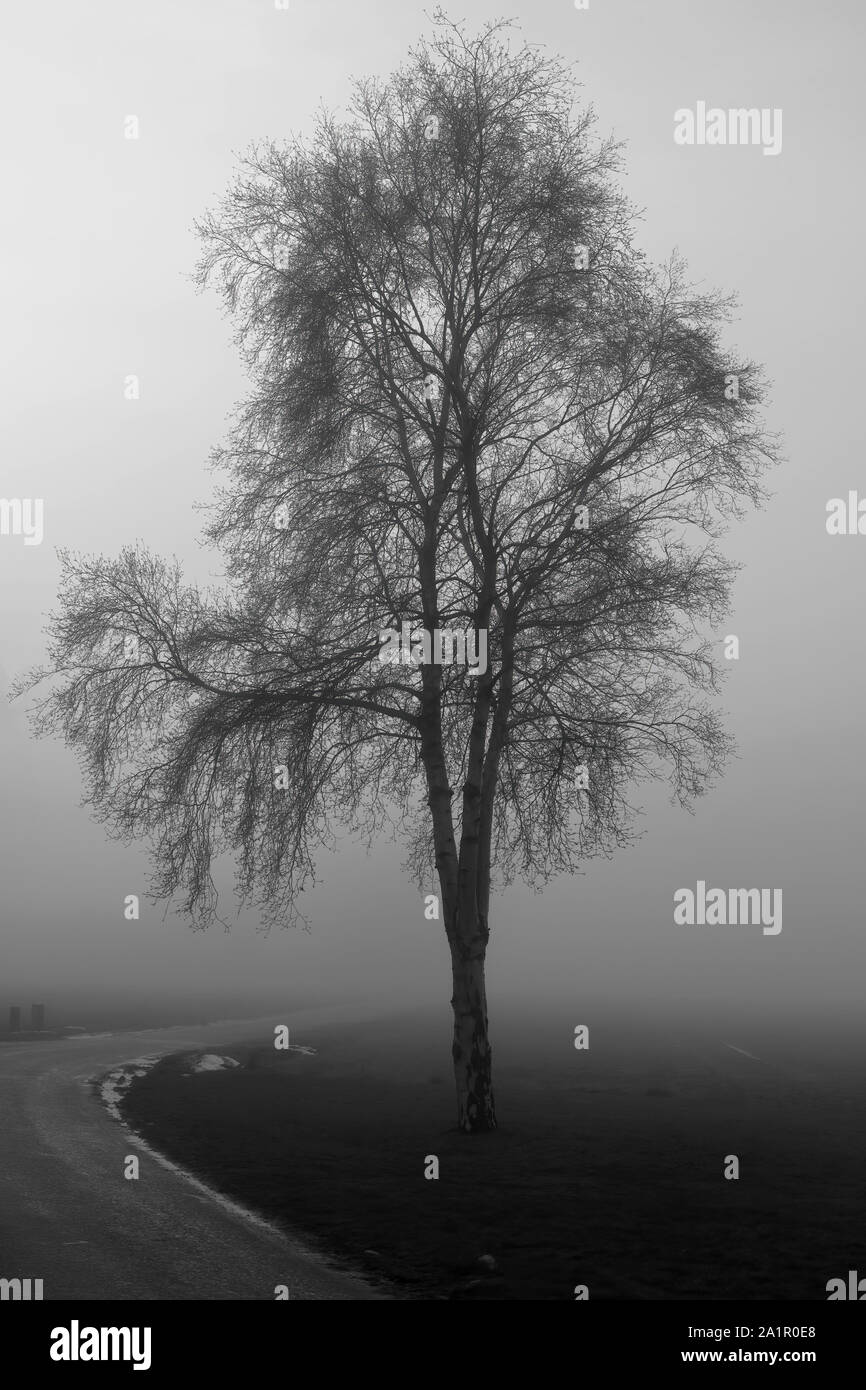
(212, 1061)
(113, 1087)
(115, 1084)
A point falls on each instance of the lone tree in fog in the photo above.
(475, 408)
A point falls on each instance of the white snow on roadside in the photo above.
(113, 1086)
(112, 1089)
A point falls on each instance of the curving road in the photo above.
(69, 1217)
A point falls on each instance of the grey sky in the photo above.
(96, 243)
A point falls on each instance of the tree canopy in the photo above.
(474, 405)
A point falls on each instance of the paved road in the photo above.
(69, 1217)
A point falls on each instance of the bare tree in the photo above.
(475, 407)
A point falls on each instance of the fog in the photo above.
(96, 250)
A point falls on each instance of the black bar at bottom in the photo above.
(249, 1339)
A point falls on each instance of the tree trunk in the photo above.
(471, 1050)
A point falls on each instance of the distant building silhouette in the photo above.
(37, 1017)
(14, 1019)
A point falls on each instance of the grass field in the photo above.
(607, 1169)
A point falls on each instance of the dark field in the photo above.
(607, 1169)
